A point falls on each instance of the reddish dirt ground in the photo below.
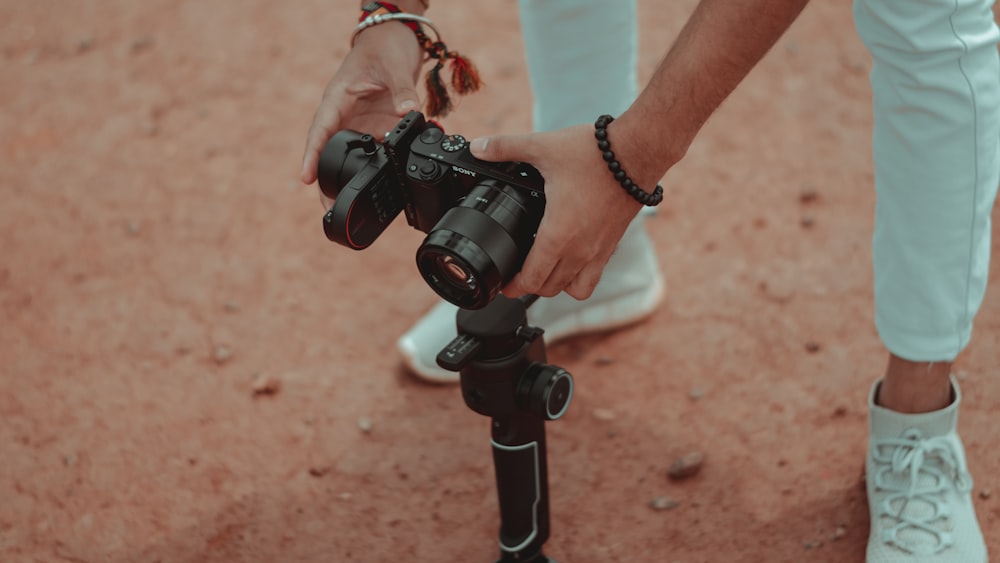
(159, 258)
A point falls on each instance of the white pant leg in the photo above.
(582, 57)
(936, 95)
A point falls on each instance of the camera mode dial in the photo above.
(453, 143)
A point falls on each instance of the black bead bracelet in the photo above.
(604, 144)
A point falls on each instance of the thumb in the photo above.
(503, 148)
(404, 99)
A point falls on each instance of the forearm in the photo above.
(721, 42)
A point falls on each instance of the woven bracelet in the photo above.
(604, 144)
(464, 76)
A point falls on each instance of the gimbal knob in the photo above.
(545, 390)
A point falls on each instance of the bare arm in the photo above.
(586, 211)
(721, 42)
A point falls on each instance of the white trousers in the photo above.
(936, 141)
(936, 96)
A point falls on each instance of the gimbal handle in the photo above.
(503, 375)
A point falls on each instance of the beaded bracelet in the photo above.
(604, 144)
(464, 76)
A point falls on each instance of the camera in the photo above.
(480, 217)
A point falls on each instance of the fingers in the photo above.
(325, 123)
(556, 264)
(405, 99)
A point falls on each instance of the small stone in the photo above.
(662, 503)
(808, 194)
(985, 494)
(686, 466)
(696, 394)
(84, 44)
(264, 385)
(839, 533)
(319, 471)
(812, 544)
(604, 414)
(812, 347)
(222, 354)
(365, 424)
(141, 44)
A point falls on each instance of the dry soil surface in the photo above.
(190, 372)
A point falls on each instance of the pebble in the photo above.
(985, 494)
(365, 424)
(319, 471)
(808, 194)
(662, 503)
(141, 44)
(604, 414)
(222, 354)
(84, 44)
(264, 385)
(839, 533)
(686, 466)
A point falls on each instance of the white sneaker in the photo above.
(629, 291)
(919, 488)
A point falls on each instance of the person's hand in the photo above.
(373, 88)
(586, 211)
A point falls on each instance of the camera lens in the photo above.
(480, 244)
(455, 273)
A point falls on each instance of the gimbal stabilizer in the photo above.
(503, 374)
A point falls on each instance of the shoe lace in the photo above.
(912, 456)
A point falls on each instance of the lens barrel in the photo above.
(478, 245)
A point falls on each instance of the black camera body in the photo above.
(480, 217)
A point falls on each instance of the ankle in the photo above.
(915, 387)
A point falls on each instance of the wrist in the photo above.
(645, 152)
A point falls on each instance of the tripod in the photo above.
(503, 375)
